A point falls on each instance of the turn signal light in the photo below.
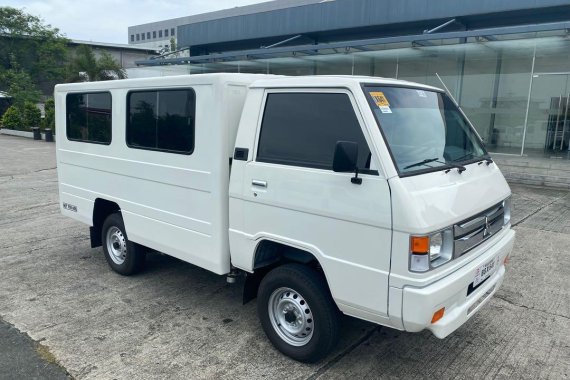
(420, 244)
(438, 315)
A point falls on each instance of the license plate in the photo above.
(485, 271)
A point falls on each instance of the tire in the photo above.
(297, 312)
(122, 255)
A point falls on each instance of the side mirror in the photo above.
(346, 158)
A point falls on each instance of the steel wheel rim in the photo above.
(291, 316)
(116, 245)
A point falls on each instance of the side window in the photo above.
(161, 120)
(302, 129)
(88, 117)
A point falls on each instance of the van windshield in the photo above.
(424, 130)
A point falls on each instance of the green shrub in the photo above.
(32, 116)
(12, 118)
(49, 119)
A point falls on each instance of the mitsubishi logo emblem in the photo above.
(487, 227)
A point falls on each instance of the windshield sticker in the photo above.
(385, 110)
(421, 93)
(380, 99)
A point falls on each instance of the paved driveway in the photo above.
(178, 321)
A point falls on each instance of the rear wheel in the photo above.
(123, 256)
(298, 313)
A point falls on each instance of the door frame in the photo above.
(532, 78)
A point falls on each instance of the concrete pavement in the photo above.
(178, 321)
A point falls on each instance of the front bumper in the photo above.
(419, 304)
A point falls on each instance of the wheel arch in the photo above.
(269, 254)
(101, 210)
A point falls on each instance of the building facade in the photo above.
(159, 35)
(507, 63)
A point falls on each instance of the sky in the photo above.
(108, 20)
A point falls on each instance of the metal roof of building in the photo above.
(326, 21)
(112, 45)
(315, 27)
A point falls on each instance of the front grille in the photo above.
(475, 230)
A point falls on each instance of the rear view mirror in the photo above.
(345, 156)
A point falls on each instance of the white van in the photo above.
(365, 196)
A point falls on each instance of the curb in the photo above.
(26, 134)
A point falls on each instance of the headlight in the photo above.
(507, 207)
(431, 251)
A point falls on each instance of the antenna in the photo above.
(447, 90)
(459, 107)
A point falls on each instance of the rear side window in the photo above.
(302, 129)
(88, 117)
(161, 120)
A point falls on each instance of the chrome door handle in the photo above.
(259, 183)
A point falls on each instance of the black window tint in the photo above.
(303, 128)
(89, 117)
(162, 120)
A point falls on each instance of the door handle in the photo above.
(259, 183)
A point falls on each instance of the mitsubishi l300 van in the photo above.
(369, 197)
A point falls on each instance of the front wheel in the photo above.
(122, 255)
(297, 312)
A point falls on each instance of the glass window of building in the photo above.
(148, 35)
(165, 32)
(172, 31)
(160, 33)
(142, 36)
(138, 37)
(154, 34)
(132, 37)
(161, 120)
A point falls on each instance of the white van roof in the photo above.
(255, 80)
(334, 81)
(163, 81)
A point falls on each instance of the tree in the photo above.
(38, 49)
(19, 86)
(32, 116)
(86, 67)
(12, 118)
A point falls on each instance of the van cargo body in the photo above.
(365, 196)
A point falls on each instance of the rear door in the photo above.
(292, 195)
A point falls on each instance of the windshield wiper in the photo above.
(487, 160)
(460, 168)
(462, 157)
(426, 161)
